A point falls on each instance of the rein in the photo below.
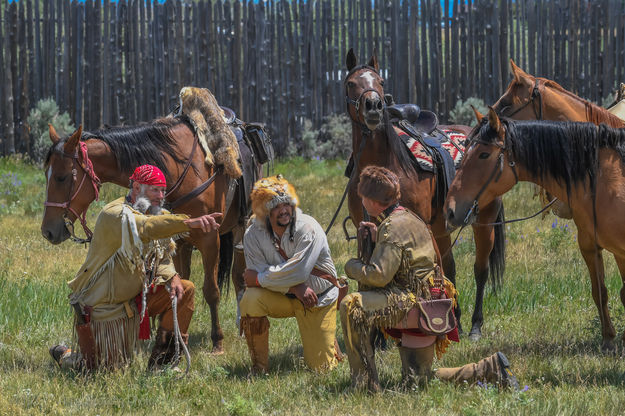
(87, 167)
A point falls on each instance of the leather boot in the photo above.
(164, 351)
(416, 365)
(256, 331)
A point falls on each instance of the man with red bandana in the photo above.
(129, 268)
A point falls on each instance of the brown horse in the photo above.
(382, 147)
(566, 159)
(535, 98)
(111, 155)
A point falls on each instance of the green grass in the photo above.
(544, 319)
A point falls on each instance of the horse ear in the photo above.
(351, 59)
(517, 72)
(72, 142)
(373, 62)
(495, 123)
(53, 134)
(479, 116)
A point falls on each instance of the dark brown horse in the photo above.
(382, 147)
(580, 163)
(76, 165)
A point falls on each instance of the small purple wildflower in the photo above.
(526, 388)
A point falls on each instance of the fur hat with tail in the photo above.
(270, 192)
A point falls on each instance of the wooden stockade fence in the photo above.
(281, 61)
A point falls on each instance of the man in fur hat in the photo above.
(131, 250)
(400, 270)
(289, 273)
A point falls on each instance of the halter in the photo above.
(535, 95)
(87, 167)
(494, 175)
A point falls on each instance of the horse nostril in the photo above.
(379, 105)
(450, 214)
(368, 105)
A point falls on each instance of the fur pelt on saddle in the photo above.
(218, 141)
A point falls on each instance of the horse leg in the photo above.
(620, 261)
(484, 242)
(443, 241)
(208, 245)
(182, 259)
(594, 261)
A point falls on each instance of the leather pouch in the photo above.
(436, 316)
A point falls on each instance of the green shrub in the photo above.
(46, 111)
(331, 141)
(463, 113)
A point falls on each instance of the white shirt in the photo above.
(308, 249)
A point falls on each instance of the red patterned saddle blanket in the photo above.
(454, 144)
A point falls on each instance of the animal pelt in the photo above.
(218, 141)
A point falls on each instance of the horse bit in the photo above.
(87, 167)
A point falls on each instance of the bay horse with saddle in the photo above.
(580, 163)
(76, 166)
(381, 135)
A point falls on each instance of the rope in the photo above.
(177, 335)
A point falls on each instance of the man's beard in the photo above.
(143, 205)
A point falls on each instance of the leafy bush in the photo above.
(331, 141)
(46, 111)
(463, 113)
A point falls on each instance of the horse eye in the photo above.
(61, 178)
(350, 84)
(382, 82)
(484, 155)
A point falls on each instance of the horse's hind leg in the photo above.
(208, 244)
(620, 261)
(594, 261)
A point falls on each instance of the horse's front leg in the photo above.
(208, 245)
(593, 257)
(182, 258)
(443, 241)
(484, 242)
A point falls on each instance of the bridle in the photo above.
(495, 175)
(87, 167)
(533, 96)
(356, 103)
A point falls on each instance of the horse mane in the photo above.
(594, 113)
(397, 146)
(143, 144)
(566, 151)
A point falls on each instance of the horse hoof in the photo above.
(475, 336)
(217, 351)
(608, 348)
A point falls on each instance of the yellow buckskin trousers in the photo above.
(317, 326)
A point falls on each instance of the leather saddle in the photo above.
(422, 120)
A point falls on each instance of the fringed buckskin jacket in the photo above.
(403, 256)
(114, 270)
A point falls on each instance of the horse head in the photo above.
(523, 98)
(67, 169)
(364, 91)
(487, 171)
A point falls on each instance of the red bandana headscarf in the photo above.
(149, 175)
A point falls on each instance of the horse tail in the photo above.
(226, 253)
(497, 257)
